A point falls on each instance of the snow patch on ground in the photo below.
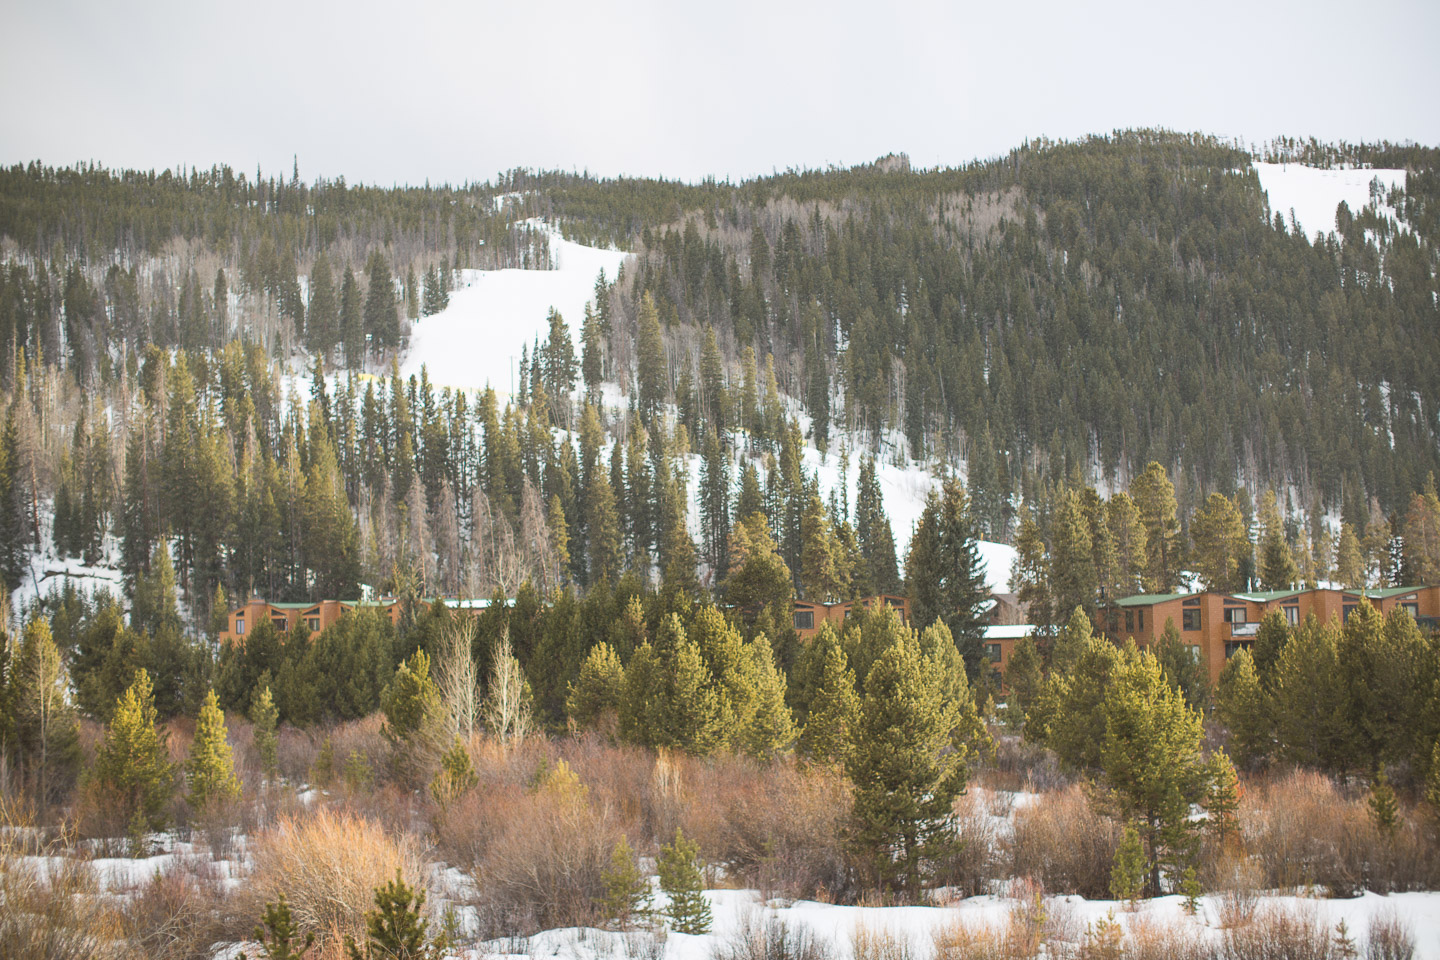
(1313, 194)
(477, 339)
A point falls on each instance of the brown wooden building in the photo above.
(286, 616)
(1215, 625)
(808, 616)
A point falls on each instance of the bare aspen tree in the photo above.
(457, 677)
(507, 706)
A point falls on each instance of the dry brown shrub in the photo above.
(976, 856)
(1280, 932)
(1306, 832)
(775, 825)
(536, 851)
(1152, 939)
(881, 943)
(759, 935)
(1237, 878)
(977, 941)
(1018, 765)
(179, 914)
(1389, 938)
(48, 909)
(327, 864)
(1062, 841)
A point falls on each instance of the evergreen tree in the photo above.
(766, 727)
(1312, 723)
(210, 770)
(396, 928)
(455, 776)
(627, 892)
(1127, 530)
(1180, 663)
(411, 701)
(34, 697)
(131, 770)
(1218, 532)
(873, 533)
(1270, 639)
(824, 570)
(650, 365)
(1241, 705)
(599, 689)
(1155, 504)
(944, 573)
(905, 767)
(682, 882)
(1024, 678)
(834, 712)
(715, 502)
(1072, 567)
(279, 932)
(1127, 873)
(1030, 577)
(1277, 564)
(1223, 799)
(382, 320)
(1384, 810)
(1350, 560)
(264, 716)
(322, 321)
(352, 319)
(1150, 755)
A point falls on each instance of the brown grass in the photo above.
(1280, 933)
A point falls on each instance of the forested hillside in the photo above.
(205, 360)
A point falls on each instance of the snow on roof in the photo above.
(1009, 631)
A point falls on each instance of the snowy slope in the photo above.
(477, 339)
(1313, 194)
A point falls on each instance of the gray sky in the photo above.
(398, 93)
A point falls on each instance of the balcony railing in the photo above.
(1244, 629)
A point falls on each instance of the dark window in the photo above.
(1235, 615)
(1140, 619)
(992, 652)
(312, 624)
(1411, 608)
(279, 622)
(1130, 621)
(1193, 602)
(239, 626)
(1190, 619)
(1233, 647)
(804, 619)
(1292, 614)
(1346, 610)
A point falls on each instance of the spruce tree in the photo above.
(944, 573)
(279, 932)
(1242, 706)
(1219, 536)
(1155, 504)
(1222, 801)
(35, 691)
(627, 893)
(766, 727)
(1350, 560)
(455, 776)
(905, 767)
(132, 769)
(1072, 564)
(873, 532)
(1024, 678)
(598, 691)
(411, 701)
(683, 883)
(264, 716)
(210, 770)
(1030, 576)
(1277, 564)
(396, 928)
(650, 365)
(834, 712)
(1150, 755)
(1127, 873)
(1384, 810)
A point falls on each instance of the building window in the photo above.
(1233, 647)
(1346, 610)
(992, 652)
(1190, 619)
(1140, 619)
(312, 624)
(279, 623)
(1195, 652)
(1411, 608)
(804, 619)
(1292, 614)
(239, 626)
(1129, 621)
(1235, 615)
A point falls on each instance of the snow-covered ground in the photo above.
(1313, 194)
(476, 340)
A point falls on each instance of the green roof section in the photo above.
(1384, 593)
(292, 606)
(1265, 596)
(1147, 599)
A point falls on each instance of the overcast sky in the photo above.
(395, 93)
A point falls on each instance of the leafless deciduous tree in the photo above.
(507, 706)
(458, 677)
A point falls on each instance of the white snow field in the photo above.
(1313, 193)
(834, 926)
(477, 339)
